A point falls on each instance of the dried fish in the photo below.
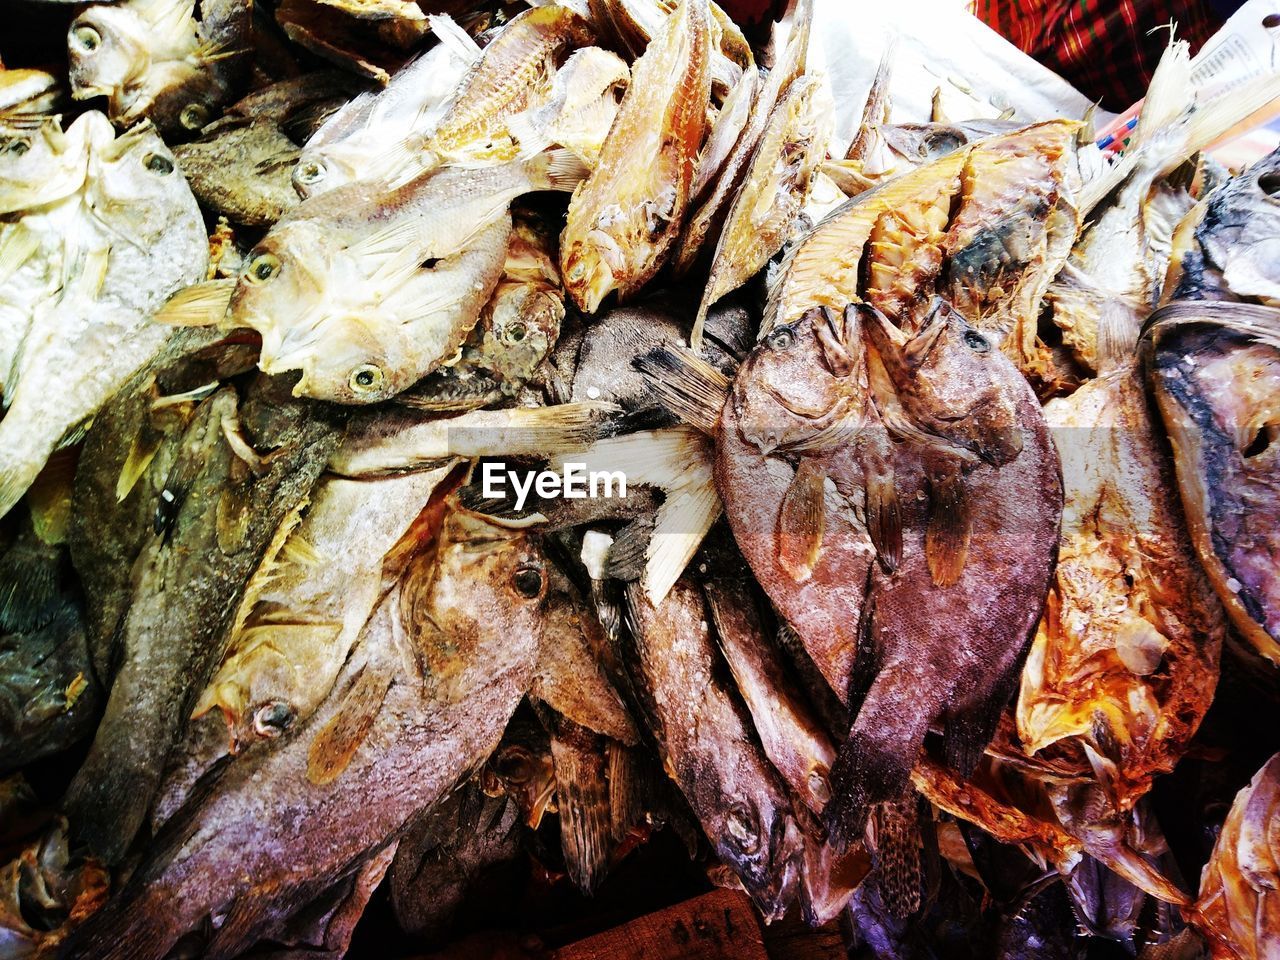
(366, 304)
(213, 513)
(154, 59)
(1235, 910)
(139, 236)
(437, 672)
(706, 744)
(624, 218)
(774, 190)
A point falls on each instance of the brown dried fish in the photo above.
(624, 218)
(1237, 906)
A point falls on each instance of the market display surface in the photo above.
(448, 436)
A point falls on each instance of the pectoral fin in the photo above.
(946, 542)
(802, 521)
(336, 744)
(884, 520)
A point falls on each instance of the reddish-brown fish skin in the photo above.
(1238, 909)
(950, 652)
(455, 641)
(709, 748)
(790, 389)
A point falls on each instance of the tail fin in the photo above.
(582, 789)
(874, 764)
(19, 468)
(686, 385)
(557, 169)
(897, 855)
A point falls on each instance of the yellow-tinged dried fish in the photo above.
(824, 268)
(514, 73)
(1125, 661)
(583, 104)
(1014, 228)
(632, 24)
(1238, 907)
(26, 92)
(623, 220)
(704, 224)
(153, 58)
(367, 288)
(727, 127)
(999, 238)
(773, 193)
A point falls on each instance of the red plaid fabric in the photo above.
(1106, 48)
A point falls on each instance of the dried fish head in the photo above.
(108, 55)
(522, 769)
(624, 219)
(152, 58)
(135, 179)
(368, 288)
(800, 380)
(945, 380)
(39, 164)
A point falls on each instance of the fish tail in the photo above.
(28, 586)
(128, 927)
(897, 855)
(874, 764)
(557, 169)
(582, 793)
(199, 305)
(686, 385)
(968, 729)
(18, 470)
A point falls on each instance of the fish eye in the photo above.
(18, 146)
(741, 824)
(311, 172)
(272, 719)
(528, 582)
(819, 786)
(366, 378)
(515, 332)
(86, 38)
(158, 163)
(782, 339)
(976, 341)
(941, 142)
(194, 116)
(262, 268)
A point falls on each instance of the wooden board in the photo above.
(720, 925)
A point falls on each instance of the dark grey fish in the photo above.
(49, 694)
(708, 747)
(446, 854)
(246, 457)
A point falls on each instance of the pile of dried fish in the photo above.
(922, 569)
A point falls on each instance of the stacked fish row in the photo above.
(949, 458)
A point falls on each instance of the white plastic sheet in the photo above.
(939, 44)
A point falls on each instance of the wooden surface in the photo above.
(720, 925)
